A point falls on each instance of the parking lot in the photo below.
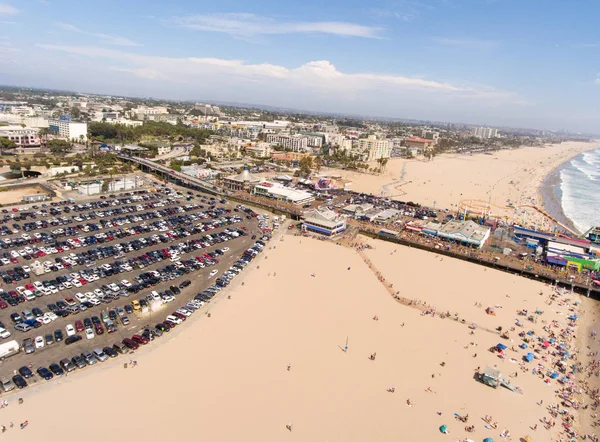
(112, 269)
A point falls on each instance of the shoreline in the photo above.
(550, 190)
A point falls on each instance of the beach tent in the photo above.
(523, 345)
(443, 428)
(546, 344)
(488, 439)
(501, 346)
(529, 357)
(573, 317)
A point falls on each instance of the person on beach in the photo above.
(289, 367)
(289, 426)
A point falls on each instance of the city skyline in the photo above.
(470, 61)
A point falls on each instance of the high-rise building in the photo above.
(373, 149)
(66, 128)
(485, 132)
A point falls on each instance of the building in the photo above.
(325, 222)
(21, 136)
(485, 132)
(260, 150)
(373, 149)
(66, 128)
(288, 156)
(197, 171)
(38, 197)
(126, 122)
(91, 188)
(123, 184)
(297, 143)
(418, 143)
(279, 192)
(241, 181)
(164, 149)
(465, 232)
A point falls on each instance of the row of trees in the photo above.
(123, 134)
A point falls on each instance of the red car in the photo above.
(139, 339)
(82, 281)
(40, 254)
(179, 315)
(130, 344)
(30, 287)
(79, 326)
(3, 305)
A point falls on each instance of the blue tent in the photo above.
(523, 345)
(573, 317)
(529, 357)
(501, 347)
(488, 439)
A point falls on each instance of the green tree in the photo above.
(305, 164)
(6, 144)
(59, 147)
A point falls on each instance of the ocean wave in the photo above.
(580, 190)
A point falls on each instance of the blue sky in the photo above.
(520, 63)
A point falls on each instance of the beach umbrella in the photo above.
(488, 439)
(443, 428)
(501, 346)
(528, 438)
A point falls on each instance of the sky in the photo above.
(516, 63)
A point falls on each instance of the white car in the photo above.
(80, 297)
(76, 283)
(225, 249)
(184, 312)
(4, 333)
(38, 285)
(213, 273)
(89, 333)
(70, 330)
(43, 320)
(39, 341)
(174, 319)
(50, 315)
(126, 283)
(98, 292)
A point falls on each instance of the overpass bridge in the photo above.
(178, 178)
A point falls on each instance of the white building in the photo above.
(279, 192)
(93, 188)
(66, 128)
(261, 150)
(123, 184)
(297, 143)
(485, 132)
(372, 149)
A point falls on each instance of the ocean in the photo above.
(579, 190)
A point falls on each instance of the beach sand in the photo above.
(225, 377)
(508, 175)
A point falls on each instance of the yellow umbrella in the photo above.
(528, 438)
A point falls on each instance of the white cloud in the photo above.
(104, 38)
(467, 43)
(310, 78)
(249, 25)
(6, 9)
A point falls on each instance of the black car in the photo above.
(175, 289)
(184, 284)
(58, 335)
(110, 352)
(19, 381)
(45, 373)
(25, 372)
(55, 368)
(72, 339)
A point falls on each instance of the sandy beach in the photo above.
(502, 177)
(226, 377)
